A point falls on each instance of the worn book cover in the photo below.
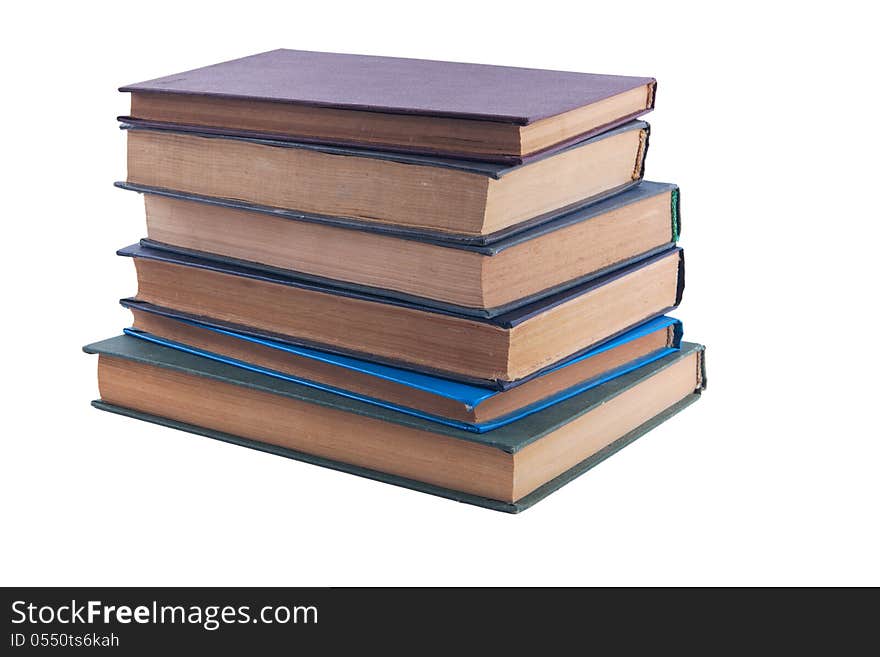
(468, 395)
(509, 439)
(318, 243)
(506, 321)
(450, 91)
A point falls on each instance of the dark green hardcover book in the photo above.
(508, 469)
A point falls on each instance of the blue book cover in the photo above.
(445, 392)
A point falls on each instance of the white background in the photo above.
(766, 118)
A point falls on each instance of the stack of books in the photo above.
(449, 277)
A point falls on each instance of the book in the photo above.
(506, 347)
(463, 405)
(484, 280)
(507, 469)
(463, 110)
(433, 195)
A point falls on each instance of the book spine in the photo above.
(675, 211)
(642, 155)
(680, 289)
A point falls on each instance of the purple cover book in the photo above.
(500, 94)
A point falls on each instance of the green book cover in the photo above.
(510, 438)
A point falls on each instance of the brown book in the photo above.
(479, 408)
(506, 469)
(418, 193)
(460, 110)
(490, 278)
(507, 347)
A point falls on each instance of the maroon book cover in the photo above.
(399, 86)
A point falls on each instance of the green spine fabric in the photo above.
(676, 228)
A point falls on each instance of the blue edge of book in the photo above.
(468, 394)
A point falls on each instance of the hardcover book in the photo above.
(458, 199)
(466, 406)
(503, 348)
(482, 280)
(473, 111)
(507, 469)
